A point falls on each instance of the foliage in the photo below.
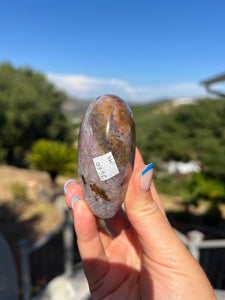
(19, 192)
(30, 110)
(203, 186)
(170, 185)
(183, 133)
(187, 132)
(53, 157)
(207, 187)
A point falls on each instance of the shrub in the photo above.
(54, 157)
(19, 192)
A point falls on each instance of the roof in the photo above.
(207, 83)
(215, 79)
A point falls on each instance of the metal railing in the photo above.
(210, 254)
(26, 251)
(194, 241)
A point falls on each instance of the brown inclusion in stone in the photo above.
(84, 179)
(99, 192)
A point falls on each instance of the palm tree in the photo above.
(54, 157)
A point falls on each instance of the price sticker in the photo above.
(105, 166)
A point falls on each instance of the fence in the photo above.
(51, 255)
(209, 253)
(212, 262)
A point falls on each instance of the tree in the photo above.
(204, 187)
(30, 110)
(53, 157)
(187, 132)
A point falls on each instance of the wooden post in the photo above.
(68, 241)
(195, 238)
(25, 268)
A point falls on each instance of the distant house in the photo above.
(214, 80)
(179, 167)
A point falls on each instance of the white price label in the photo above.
(105, 166)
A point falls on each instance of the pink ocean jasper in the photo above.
(106, 150)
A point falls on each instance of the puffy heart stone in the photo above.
(106, 149)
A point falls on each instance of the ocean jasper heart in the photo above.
(106, 149)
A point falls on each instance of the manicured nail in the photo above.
(146, 177)
(73, 200)
(67, 184)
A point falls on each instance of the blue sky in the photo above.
(140, 50)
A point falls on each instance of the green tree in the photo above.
(30, 110)
(207, 187)
(54, 157)
(188, 132)
(203, 186)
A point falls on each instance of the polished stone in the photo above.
(106, 150)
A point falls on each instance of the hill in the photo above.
(75, 108)
(186, 132)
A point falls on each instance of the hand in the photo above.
(139, 256)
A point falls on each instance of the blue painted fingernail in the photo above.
(73, 200)
(68, 183)
(148, 168)
(146, 177)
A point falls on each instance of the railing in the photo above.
(209, 253)
(67, 245)
(212, 263)
(194, 242)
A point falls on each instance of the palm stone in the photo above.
(106, 149)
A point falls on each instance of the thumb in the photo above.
(165, 256)
(149, 222)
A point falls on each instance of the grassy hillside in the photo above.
(193, 131)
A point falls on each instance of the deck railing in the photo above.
(59, 256)
(212, 263)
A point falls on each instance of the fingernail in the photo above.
(146, 177)
(67, 184)
(73, 200)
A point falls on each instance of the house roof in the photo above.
(214, 79)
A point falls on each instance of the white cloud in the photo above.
(84, 87)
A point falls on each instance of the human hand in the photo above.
(139, 256)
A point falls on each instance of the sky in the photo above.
(139, 50)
